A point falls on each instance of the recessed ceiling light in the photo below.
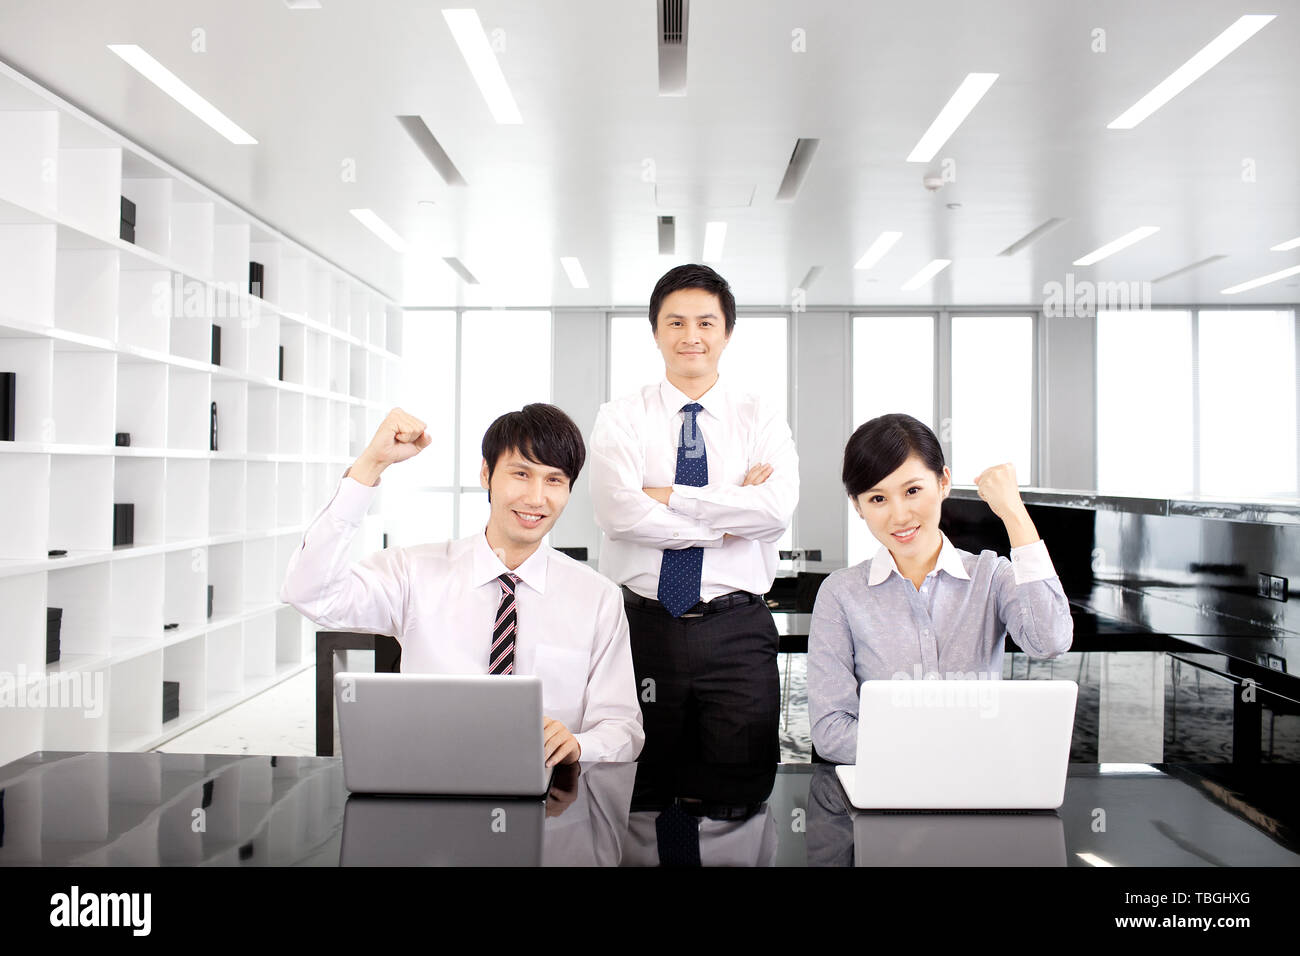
(1115, 245)
(1262, 280)
(715, 233)
(1195, 265)
(925, 275)
(970, 92)
(458, 267)
(428, 144)
(380, 228)
(876, 251)
(1286, 246)
(1201, 63)
(573, 269)
(483, 65)
(797, 169)
(176, 88)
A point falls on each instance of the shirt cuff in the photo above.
(681, 501)
(352, 500)
(1031, 562)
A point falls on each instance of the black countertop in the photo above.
(121, 809)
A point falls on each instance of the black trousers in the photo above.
(708, 685)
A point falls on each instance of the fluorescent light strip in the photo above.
(1032, 235)
(876, 251)
(970, 92)
(1201, 63)
(380, 228)
(1195, 265)
(715, 233)
(474, 47)
(810, 277)
(1262, 280)
(175, 87)
(573, 269)
(1093, 859)
(925, 275)
(458, 267)
(1286, 246)
(1115, 245)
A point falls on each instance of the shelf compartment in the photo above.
(340, 437)
(32, 362)
(142, 401)
(185, 588)
(226, 575)
(82, 416)
(263, 420)
(316, 426)
(136, 619)
(289, 503)
(24, 600)
(153, 213)
(186, 663)
(230, 255)
(359, 429)
(82, 720)
(85, 595)
(90, 188)
(144, 309)
(81, 496)
(320, 304)
(358, 365)
(260, 498)
(260, 586)
(291, 423)
(189, 410)
(316, 360)
(192, 237)
(231, 396)
(25, 531)
(359, 326)
(185, 499)
(224, 673)
(259, 648)
(339, 379)
(27, 261)
(135, 703)
(268, 253)
(293, 340)
(137, 481)
(86, 293)
(226, 505)
(28, 163)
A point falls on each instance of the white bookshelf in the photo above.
(110, 336)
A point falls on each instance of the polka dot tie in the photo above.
(679, 574)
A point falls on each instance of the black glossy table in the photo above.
(130, 809)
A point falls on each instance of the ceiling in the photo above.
(1215, 169)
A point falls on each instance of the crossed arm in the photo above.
(680, 516)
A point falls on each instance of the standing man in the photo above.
(497, 602)
(693, 484)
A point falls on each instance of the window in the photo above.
(1247, 379)
(1144, 402)
(992, 395)
(893, 371)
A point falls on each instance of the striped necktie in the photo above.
(502, 656)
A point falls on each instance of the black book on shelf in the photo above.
(53, 627)
(282, 363)
(171, 700)
(127, 225)
(126, 232)
(8, 402)
(209, 602)
(123, 524)
(216, 345)
(213, 440)
(255, 279)
(122, 439)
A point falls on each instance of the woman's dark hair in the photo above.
(542, 434)
(693, 277)
(880, 446)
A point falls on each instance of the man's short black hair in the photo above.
(542, 434)
(880, 447)
(693, 277)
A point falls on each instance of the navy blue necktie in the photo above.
(679, 574)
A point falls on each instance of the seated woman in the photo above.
(896, 616)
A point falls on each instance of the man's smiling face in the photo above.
(690, 331)
(526, 500)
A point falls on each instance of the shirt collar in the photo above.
(488, 567)
(949, 560)
(714, 400)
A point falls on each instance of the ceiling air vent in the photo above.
(797, 168)
(673, 15)
(667, 236)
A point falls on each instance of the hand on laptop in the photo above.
(560, 746)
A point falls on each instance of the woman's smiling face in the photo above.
(902, 510)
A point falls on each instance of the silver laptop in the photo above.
(961, 745)
(444, 735)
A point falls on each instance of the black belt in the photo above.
(724, 602)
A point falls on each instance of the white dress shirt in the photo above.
(634, 446)
(440, 602)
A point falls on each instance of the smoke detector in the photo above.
(932, 182)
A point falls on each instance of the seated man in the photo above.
(496, 602)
